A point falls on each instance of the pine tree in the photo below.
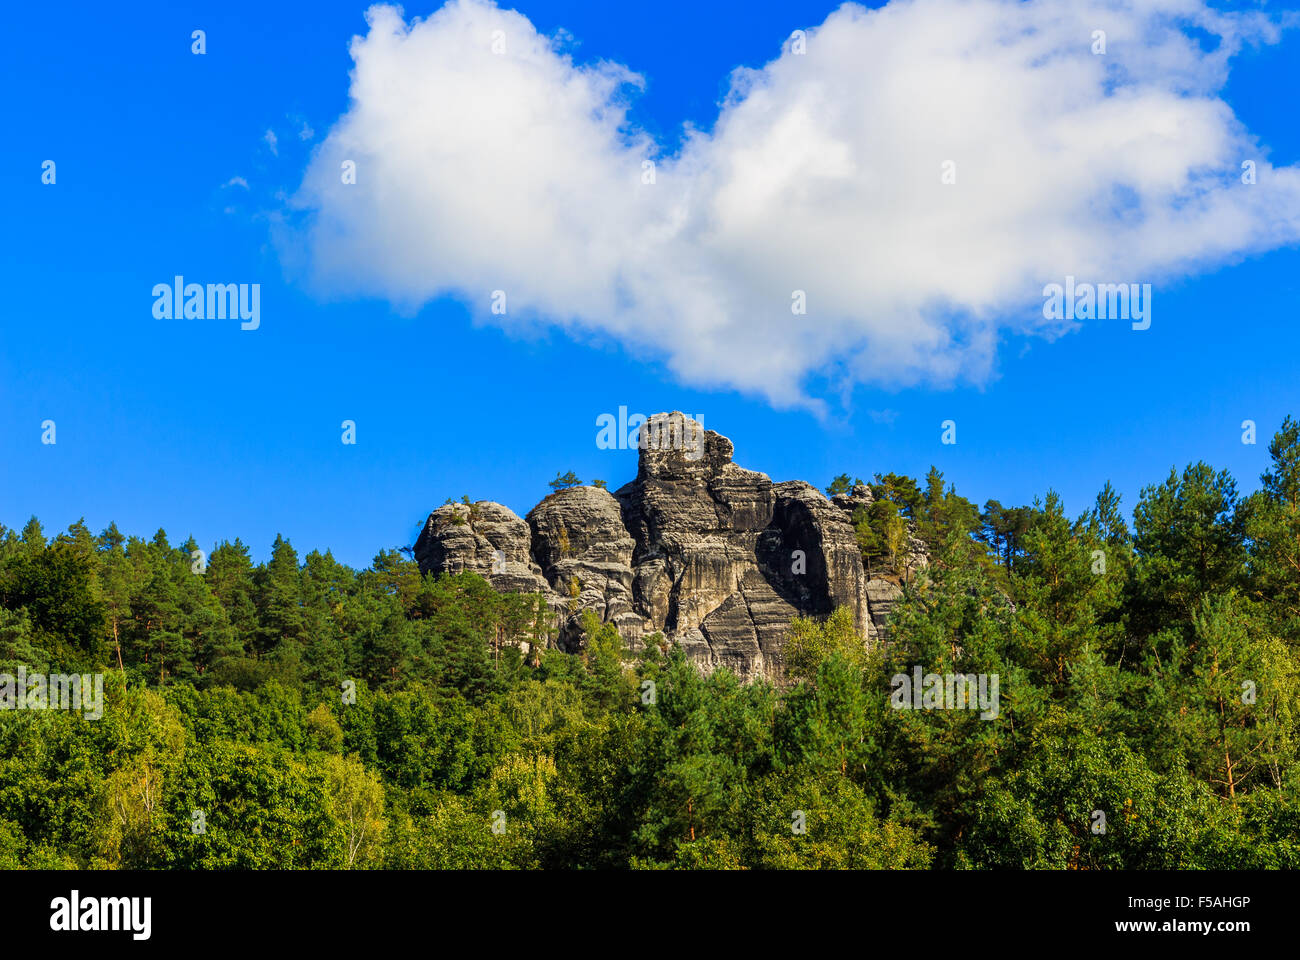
(1189, 544)
(570, 479)
(278, 586)
(1273, 526)
(116, 576)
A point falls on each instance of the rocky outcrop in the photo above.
(859, 496)
(825, 536)
(484, 538)
(882, 594)
(585, 553)
(716, 558)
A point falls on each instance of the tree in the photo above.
(609, 681)
(1225, 700)
(1147, 671)
(356, 801)
(324, 731)
(158, 640)
(1041, 813)
(1105, 521)
(1273, 527)
(1063, 606)
(894, 534)
(839, 485)
(17, 643)
(116, 583)
(570, 479)
(135, 801)
(947, 516)
(57, 586)
(1189, 544)
(230, 575)
(279, 600)
(839, 828)
(901, 490)
(1004, 529)
(869, 542)
(264, 809)
(812, 641)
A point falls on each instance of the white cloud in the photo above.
(272, 141)
(478, 171)
(236, 182)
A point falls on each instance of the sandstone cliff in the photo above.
(717, 558)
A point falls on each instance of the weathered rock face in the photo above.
(699, 526)
(825, 535)
(882, 594)
(585, 554)
(859, 496)
(716, 558)
(484, 538)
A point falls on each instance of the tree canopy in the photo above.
(298, 713)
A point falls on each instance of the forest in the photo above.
(299, 714)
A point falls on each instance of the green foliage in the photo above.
(300, 714)
(839, 485)
(1004, 529)
(570, 479)
(1272, 526)
(811, 643)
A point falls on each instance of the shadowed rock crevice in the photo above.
(717, 558)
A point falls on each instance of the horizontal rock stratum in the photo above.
(717, 558)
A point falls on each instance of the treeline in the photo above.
(298, 713)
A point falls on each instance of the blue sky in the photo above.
(200, 428)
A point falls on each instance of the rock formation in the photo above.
(716, 558)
